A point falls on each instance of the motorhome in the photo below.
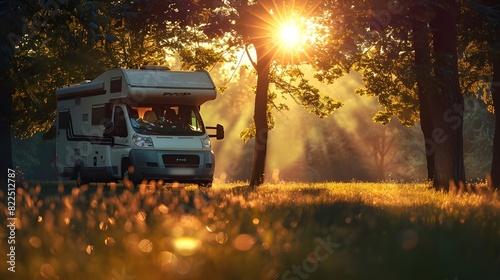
(136, 124)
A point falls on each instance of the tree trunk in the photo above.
(264, 57)
(6, 93)
(447, 104)
(421, 44)
(495, 89)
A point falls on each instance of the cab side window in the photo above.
(120, 126)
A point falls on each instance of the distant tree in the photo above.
(9, 21)
(58, 46)
(483, 63)
(407, 54)
(382, 150)
(479, 130)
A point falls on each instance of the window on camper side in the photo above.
(101, 114)
(115, 85)
(180, 120)
(64, 121)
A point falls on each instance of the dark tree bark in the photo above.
(447, 103)
(264, 57)
(495, 89)
(421, 43)
(6, 93)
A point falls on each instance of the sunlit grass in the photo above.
(156, 231)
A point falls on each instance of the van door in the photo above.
(121, 147)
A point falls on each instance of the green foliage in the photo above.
(477, 49)
(58, 48)
(375, 38)
(289, 80)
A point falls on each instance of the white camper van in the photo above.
(139, 124)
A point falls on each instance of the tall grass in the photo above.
(277, 231)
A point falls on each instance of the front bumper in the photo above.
(173, 166)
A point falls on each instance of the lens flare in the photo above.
(290, 35)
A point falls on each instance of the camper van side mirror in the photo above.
(219, 131)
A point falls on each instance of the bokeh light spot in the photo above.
(221, 237)
(89, 249)
(47, 271)
(145, 245)
(186, 245)
(109, 241)
(35, 241)
(409, 239)
(244, 242)
(167, 260)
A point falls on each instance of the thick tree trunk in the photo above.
(495, 165)
(421, 43)
(447, 104)
(6, 93)
(264, 56)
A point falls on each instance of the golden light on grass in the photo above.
(244, 242)
(186, 245)
(141, 216)
(89, 249)
(221, 237)
(133, 238)
(109, 241)
(163, 208)
(35, 241)
(47, 271)
(145, 245)
(256, 228)
(167, 260)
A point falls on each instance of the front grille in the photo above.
(181, 161)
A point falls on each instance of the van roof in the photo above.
(168, 79)
(147, 85)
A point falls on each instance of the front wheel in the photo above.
(80, 181)
(128, 172)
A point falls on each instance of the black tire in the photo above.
(126, 174)
(80, 181)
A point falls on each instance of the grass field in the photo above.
(277, 231)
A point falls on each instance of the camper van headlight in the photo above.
(205, 142)
(142, 141)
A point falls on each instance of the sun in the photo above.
(290, 35)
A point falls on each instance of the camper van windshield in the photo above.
(166, 120)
